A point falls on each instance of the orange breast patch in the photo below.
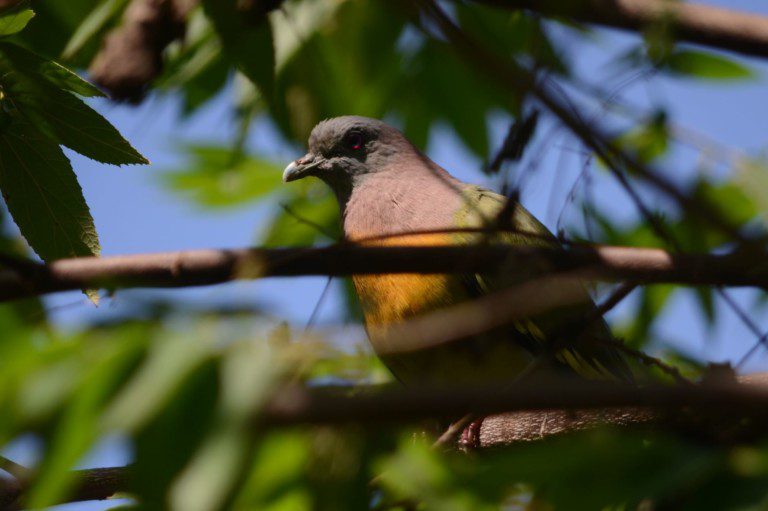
(393, 298)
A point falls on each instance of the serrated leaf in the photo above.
(70, 121)
(41, 67)
(43, 195)
(701, 64)
(15, 20)
(84, 130)
(249, 44)
(92, 25)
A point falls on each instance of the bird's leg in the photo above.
(470, 436)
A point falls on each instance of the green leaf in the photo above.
(652, 300)
(82, 129)
(198, 72)
(165, 445)
(247, 42)
(168, 365)
(276, 479)
(43, 195)
(216, 177)
(69, 120)
(751, 177)
(16, 19)
(648, 141)
(53, 26)
(249, 372)
(434, 66)
(700, 64)
(341, 62)
(41, 67)
(734, 202)
(309, 214)
(92, 25)
(79, 425)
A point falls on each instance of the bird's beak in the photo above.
(301, 167)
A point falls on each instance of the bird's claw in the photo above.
(470, 436)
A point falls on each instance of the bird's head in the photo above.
(344, 150)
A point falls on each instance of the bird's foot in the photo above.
(470, 436)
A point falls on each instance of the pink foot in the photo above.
(470, 436)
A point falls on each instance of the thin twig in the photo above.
(648, 360)
(449, 436)
(15, 469)
(311, 223)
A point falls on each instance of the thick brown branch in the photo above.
(298, 405)
(90, 484)
(741, 32)
(203, 267)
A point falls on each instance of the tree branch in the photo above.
(744, 33)
(295, 405)
(90, 484)
(204, 267)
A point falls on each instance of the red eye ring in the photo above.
(355, 141)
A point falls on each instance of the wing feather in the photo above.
(585, 354)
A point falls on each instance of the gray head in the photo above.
(344, 150)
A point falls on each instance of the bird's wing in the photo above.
(585, 354)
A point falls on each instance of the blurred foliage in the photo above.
(185, 387)
(188, 398)
(218, 177)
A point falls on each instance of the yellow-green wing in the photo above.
(585, 354)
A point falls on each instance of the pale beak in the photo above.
(301, 167)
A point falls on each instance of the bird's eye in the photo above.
(354, 141)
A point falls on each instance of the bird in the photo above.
(387, 188)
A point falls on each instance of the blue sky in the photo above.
(134, 213)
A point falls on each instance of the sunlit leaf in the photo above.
(14, 20)
(167, 367)
(211, 475)
(54, 25)
(648, 141)
(751, 177)
(98, 19)
(79, 427)
(276, 479)
(699, 64)
(217, 177)
(307, 215)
